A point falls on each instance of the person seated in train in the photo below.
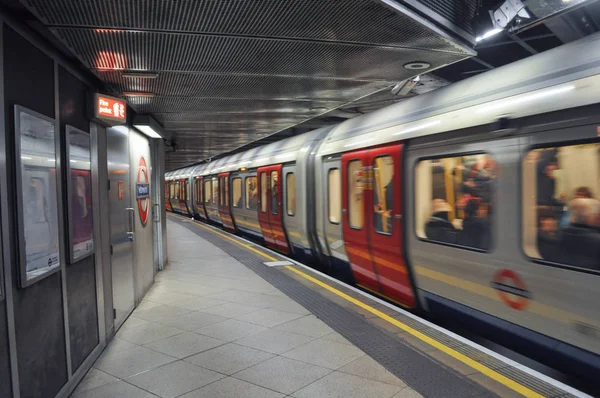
(548, 236)
(580, 192)
(581, 239)
(439, 228)
(546, 180)
(475, 227)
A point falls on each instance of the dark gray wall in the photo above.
(39, 319)
(5, 381)
(81, 276)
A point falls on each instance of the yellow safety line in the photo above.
(513, 385)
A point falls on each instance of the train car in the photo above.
(476, 203)
(167, 192)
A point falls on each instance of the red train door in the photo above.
(263, 205)
(167, 197)
(199, 200)
(185, 192)
(386, 229)
(357, 214)
(275, 209)
(224, 208)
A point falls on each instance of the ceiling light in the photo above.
(149, 126)
(318, 109)
(140, 75)
(26, 158)
(417, 65)
(137, 94)
(489, 33)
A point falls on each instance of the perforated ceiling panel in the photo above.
(248, 67)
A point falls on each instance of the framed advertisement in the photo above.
(79, 194)
(37, 196)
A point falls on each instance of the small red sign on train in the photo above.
(511, 289)
(121, 190)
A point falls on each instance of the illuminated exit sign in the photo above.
(110, 109)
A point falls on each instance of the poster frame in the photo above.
(22, 255)
(68, 130)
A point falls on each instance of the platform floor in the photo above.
(228, 319)
(210, 327)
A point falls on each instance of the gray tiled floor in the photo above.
(210, 327)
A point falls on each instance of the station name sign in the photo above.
(143, 190)
(110, 109)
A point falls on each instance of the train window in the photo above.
(274, 192)
(207, 191)
(171, 190)
(263, 192)
(561, 209)
(454, 200)
(187, 190)
(226, 189)
(355, 194)
(290, 192)
(334, 199)
(215, 190)
(251, 193)
(177, 189)
(236, 189)
(383, 194)
(198, 191)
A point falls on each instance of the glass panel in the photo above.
(207, 192)
(221, 193)
(187, 190)
(454, 200)
(274, 192)
(226, 188)
(171, 190)
(251, 193)
(39, 196)
(290, 191)
(383, 194)
(237, 192)
(81, 225)
(561, 212)
(355, 194)
(215, 190)
(263, 192)
(334, 190)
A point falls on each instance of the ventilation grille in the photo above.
(356, 21)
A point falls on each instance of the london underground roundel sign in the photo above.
(143, 191)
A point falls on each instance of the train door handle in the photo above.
(131, 223)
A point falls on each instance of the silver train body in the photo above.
(545, 309)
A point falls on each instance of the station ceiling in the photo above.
(224, 75)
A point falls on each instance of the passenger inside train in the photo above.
(566, 227)
(455, 195)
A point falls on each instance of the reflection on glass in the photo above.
(383, 194)
(454, 200)
(355, 192)
(38, 184)
(80, 217)
(251, 193)
(561, 210)
(274, 192)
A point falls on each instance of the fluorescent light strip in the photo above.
(525, 98)
(359, 142)
(487, 34)
(149, 131)
(419, 127)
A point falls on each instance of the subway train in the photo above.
(476, 203)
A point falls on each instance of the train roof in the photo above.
(561, 78)
(277, 152)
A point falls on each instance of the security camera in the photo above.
(403, 88)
